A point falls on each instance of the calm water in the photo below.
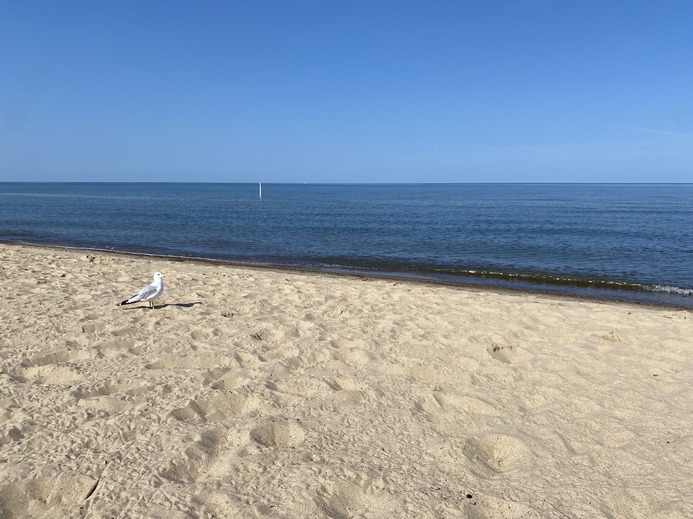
(616, 241)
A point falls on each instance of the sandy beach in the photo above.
(260, 393)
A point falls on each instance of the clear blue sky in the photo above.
(346, 91)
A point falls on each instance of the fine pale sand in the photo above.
(254, 393)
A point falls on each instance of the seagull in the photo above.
(148, 293)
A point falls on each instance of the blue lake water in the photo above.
(632, 242)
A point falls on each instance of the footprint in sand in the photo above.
(361, 497)
(490, 507)
(110, 397)
(278, 432)
(497, 453)
(508, 353)
(610, 337)
(354, 357)
(203, 335)
(15, 423)
(51, 368)
(56, 357)
(11, 433)
(225, 378)
(198, 456)
(110, 388)
(341, 500)
(191, 363)
(50, 496)
(458, 403)
(117, 348)
(216, 409)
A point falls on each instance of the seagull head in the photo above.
(158, 276)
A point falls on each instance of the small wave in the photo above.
(671, 290)
(548, 279)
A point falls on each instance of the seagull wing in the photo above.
(146, 293)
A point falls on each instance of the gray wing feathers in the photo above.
(144, 294)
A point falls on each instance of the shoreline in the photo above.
(494, 286)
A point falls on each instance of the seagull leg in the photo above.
(151, 304)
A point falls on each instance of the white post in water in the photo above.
(260, 187)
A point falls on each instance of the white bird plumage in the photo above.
(148, 293)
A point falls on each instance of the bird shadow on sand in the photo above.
(166, 305)
(179, 305)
